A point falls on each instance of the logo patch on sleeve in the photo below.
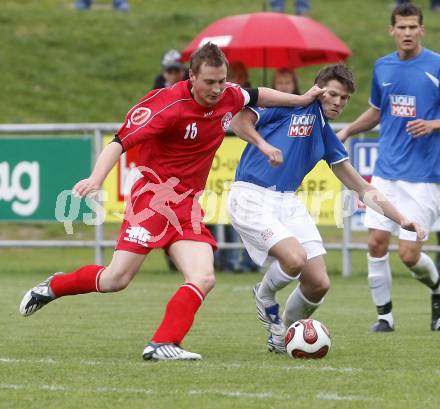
(140, 115)
(226, 121)
(301, 125)
(403, 105)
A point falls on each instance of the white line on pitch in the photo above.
(27, 361)
(239, 394)
(335, 396)
(104, 390)
(93, 362)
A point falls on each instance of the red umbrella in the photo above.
(273, 40)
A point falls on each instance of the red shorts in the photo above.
(158, 219)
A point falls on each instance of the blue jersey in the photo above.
(304, 137)
(406, 90)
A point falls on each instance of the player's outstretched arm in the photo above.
(372, 197)
(243, 125)
(268, 97)
(366, 121)
(105, 162)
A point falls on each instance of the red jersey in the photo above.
(178, 137)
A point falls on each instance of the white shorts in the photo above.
(263, 217)
(419, 202)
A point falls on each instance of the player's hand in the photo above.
(419, 128)
(86, 187)
(273, 155)
(311, 95)
(413, 226)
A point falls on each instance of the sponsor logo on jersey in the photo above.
(403, 105)
(206, 114)
(301, 125)
(138, 235)
(140, 115)
(226, 121)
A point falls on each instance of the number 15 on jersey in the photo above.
(191, 131)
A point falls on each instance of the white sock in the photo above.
(379, 280)
(387, 317)
(426, 272)
(274, 280)
(298, 307)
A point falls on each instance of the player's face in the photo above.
(284, 83)
(407, 34)
(208, 85)
(334, 99)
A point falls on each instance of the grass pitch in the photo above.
(84, 351)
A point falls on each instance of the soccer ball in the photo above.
(307, 339)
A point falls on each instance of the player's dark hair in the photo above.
(406, 10)
(209, 54)
(339, 72)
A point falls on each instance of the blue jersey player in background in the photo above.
(405, 100)
(273, 223)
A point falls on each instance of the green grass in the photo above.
(60, 65)
(84, 351)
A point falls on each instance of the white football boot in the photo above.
(168, 352)
(37, 297)
(272, 322)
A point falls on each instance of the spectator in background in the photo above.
(285, 80)
(302, 7)
(238, 74)
(119, 5)
(172, 70)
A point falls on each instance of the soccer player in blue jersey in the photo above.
(273, 223)
(405, 100)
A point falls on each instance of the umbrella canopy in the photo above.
(272, 40)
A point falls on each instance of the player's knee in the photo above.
(294, 262)
(377, 247)
(207, 282)
(322, 286)
(409, 258)
(119, 280)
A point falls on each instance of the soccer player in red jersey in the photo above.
(179, 130)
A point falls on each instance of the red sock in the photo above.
(81, 281)
(179, 314)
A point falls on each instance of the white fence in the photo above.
(99, 244)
